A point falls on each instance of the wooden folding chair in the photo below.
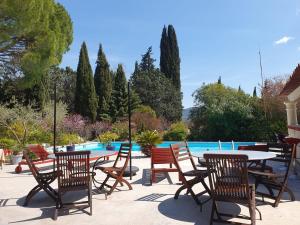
(43, 179)
(276, 180)
(73, 169)
(161, 156)
(117, 170)
(180, 153)
(228, 179)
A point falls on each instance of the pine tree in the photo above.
(240, 89)
(85, 94)
(254, 92)
(147, 62)
(119, 107)
(103, 85)
(219, 80)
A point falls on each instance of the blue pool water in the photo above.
(194, 146)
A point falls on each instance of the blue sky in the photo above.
(216, 38)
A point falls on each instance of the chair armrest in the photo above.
(265, 174)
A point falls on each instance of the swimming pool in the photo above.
(194, 146)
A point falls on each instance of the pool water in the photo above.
(194, 146)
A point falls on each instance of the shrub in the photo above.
(40, 136)
(177, 132)
(147, 140)
(121, 129)
(7, 143)
(107, 137)
(68, 139)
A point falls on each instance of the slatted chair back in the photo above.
(123, 156)
(285, 154)
(31, 165)
(254, 147)
(161, 156)
(228, 177)
(73, 170)
(181, 153)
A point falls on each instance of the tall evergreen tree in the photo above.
(165, 54)
(86, 102)
(103, 85)
(169, 56)
(254, 92)
(219, 80)
(240, 89)
(156, 90)
(119, 95)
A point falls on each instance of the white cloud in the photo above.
(283, 40)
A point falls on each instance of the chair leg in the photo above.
(127, 183)
(104, 182)
(212, 212)
(31, 193)
(113, 187)
(90, 198)
(252, 212)
(179, 190)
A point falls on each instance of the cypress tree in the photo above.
(85, 95)
(219, 80)
(103, 85)
(174, 61)
(240, 89)
(164, 54)
(119, 95)
(254, 92)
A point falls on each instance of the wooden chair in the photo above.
(276, 180)
(161, 156)
(40, 153)
(228, 179)
(73, 169)
(43, 179)
(181, 153)
(117, 170)
(256, 164)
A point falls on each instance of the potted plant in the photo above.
(107, 138)
(147, 140)
(17, 155)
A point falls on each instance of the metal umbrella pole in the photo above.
(54, 119)
(129, 127)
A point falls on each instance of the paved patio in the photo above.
(144, 205)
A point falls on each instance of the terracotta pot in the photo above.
(147, 150)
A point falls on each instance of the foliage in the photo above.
(177, 132)
(121, 128)
(145, 121)
(169, 56)
(68, 139)
(103, 85)
(39, 136)
(48, 115)
(147, 140)
(145, 109)
(92, 131)
(221, 113)
(86, 102)
(7, 143)
(34, 35)
(156, 91)
(119, 105)
(107, 138)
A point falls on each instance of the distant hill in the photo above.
(186, 113)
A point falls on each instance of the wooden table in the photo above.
(252, 155)
(94, 154)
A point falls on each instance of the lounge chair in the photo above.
(39, 152)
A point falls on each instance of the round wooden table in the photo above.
(252, 155)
